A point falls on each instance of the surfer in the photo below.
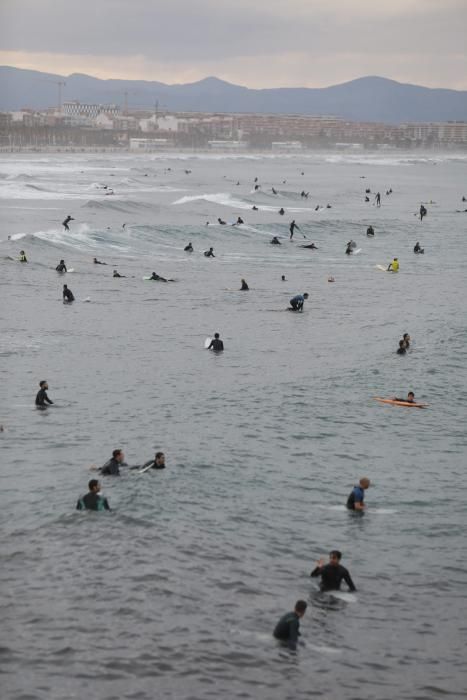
(349, 249)
(117, 274)
(157, 463)
(221, 222)
(41, 398)
(188, 248)
(98, 262)
(417, 248)
(61, 267)
(410, 398)
(155, 277)
(216, 344)
(423, 212)
(367, 199)
(282, 211)
(255, 208)
(273, 190)
(357, 495)
(401, 349)
(393, 266)
(378, 199)
(92, 500)
(370, 231)
(244, 286)
(275, 241)
(406, 338)
(239, 221)
(287, 629)
(311, 246)
(66, 222)
(333, 573)
(292, 228)
(209, 253)
(68, 295)
(297, 302)
(112, 467)
(22, 256)
(283, 278)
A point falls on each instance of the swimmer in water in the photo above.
(244, 286)
(275, 241)
(117, 274)
(221, 222)
(297, 301)
(41, 398)
(282, 211)
(61, 267)
(406, 338)
(254, 208)
(66, 222)
(357, 495)
(333, 573)
(92, 500)
(216, 344)
(311, 246)
(287, 629)
(68, 295)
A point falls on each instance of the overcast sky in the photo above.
(257, 43)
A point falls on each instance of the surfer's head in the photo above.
(364, 482)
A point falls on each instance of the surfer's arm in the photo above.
(316, 572)
(349, 582)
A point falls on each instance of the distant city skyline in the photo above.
(299, 43)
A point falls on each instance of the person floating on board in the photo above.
(417, 248)
(117, 274)
(188, 248)
(61, 267)
(157, 278)
(275, 241)
(158, 462)
(297, 302)
(423, 212)
(41, 398)
(401, 349)
(357, 495)
(68, 295)
(393, 266)
(292, 228)
(92, 500)
(287, 629)
(216, 344)
(378, 199)
(98, 262)
(209, 253)
(333, 573)
(410, 398)
(22, 256)
(66, 222)
(112, 467)
(311, 246)
(370, 231)
(406, 338)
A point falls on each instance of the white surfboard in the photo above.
(71, 269)
(381, 267)
(145, 469)
(207, 343)
(356, 252)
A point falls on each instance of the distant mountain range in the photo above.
(370, 99)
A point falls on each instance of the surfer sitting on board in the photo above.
(68, 295)
(41, 397)
(244, 286)
(216, 344)
(406, 339)
(117, 274)
(417, 248)
(297, 302)
(92, 500)
(333, 573)
(357, 495)
(393, 266)
(370, 231)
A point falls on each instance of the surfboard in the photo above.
(145, 469)
(71, 269)
(409, 404)
(384, 269)
(357, 251)
(207, 343)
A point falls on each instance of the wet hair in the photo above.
(406, 335)
(411, 394)
(336, 553)
(301, 606)
(41, 384)
(116, 453)
(216, 335)
(306, 295)
(92, 484)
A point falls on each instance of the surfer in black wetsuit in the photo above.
(292, 228)
(221, 222)
(275, 241)
(333, 573)
(156, 278)
(22, 256)
(41, 398)
(378, 199)
(216, 344)
(157, 463)
(370, 231)
(98, 262)
(68, 295)
(112, 467)
(282, 211)
(61, 267)
(66, 222)
(417, 248)
(406, 338)
(244, 286)
(287, 629)
(92, 500)
(117, 274)
(311, 246)
(273, 190)
(209, 253)
(240, 221)
(254, 208)
(423, 212)
(401, 349)
(188, 248)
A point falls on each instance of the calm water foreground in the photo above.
(174, 594)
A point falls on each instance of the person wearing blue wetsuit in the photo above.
(357, 495)
(333, 573)
(297, 301)
(92, 500)
(287, 629)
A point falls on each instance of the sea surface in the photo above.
(174, 594)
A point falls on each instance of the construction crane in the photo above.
(59, 84)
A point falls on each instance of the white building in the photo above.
(148, 144)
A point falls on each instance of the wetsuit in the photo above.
(292, 228)
(112, 467)
(370, 231)
(288, 629)
(42, 398)
(209, 254)
(188, 248)
(422, 212)
(152, 463)
(332, 576)
(356, 496)
(116, 274)
(68, 295)
(297, 302)
(394, 266)
(23, 258)
(417, 248)
(66, 222)
(216, 345)
(401, 351)
(61, 267)
(156, 278)
(312, 246)
(92, 501)
(244, 286)
(276, 241)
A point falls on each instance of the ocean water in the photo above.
(174, 594)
